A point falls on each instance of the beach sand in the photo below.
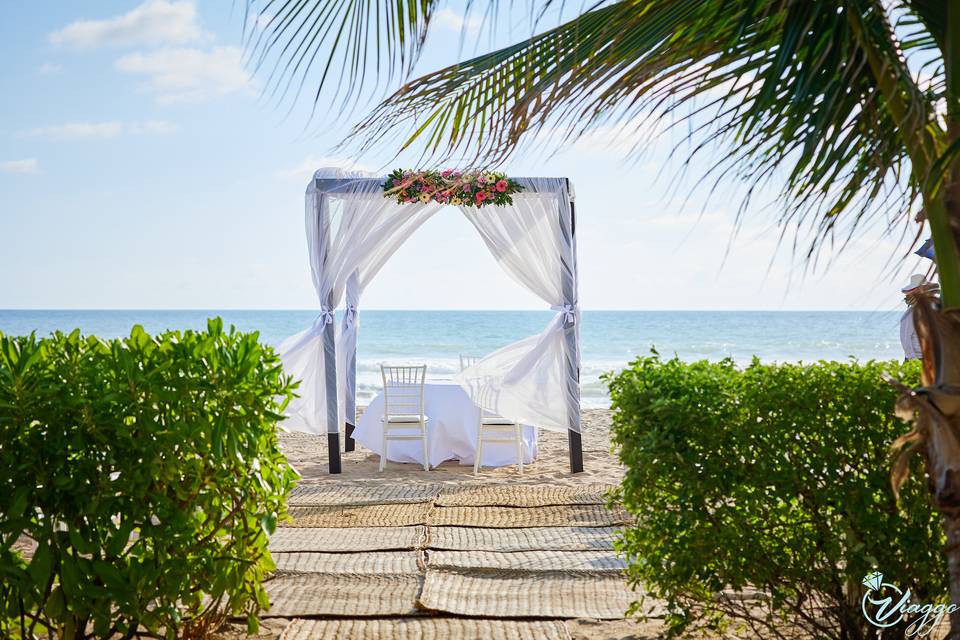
(308, 454)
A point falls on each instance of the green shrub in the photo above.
(147, 471)
(771, 482)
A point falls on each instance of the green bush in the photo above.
(148, 473)
(762, 495)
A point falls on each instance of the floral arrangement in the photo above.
(458, 188)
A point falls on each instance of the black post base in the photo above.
(333, 454)
(575, 447)
(350, 444)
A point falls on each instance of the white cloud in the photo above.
(450, 19)
(102, 130)
(49, 68)
(189, 75)
(152, 127)
(691, 219)
(77, 130)
(304, 171)
(155, 22)
(634, 134)
(27, 165)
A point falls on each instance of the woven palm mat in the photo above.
(585, 561)
(371, 493)
(592, 515)
(425, 629)
(289, 539)
(522, 495)
(535, 538)
(513, 594)
(373, 515)
(327, 594)
(368, 563)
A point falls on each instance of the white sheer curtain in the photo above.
(535, 380)
(351, 232)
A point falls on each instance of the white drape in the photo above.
(535, 380)
(352, 230)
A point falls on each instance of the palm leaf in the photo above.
(818, 97)
(294, 37)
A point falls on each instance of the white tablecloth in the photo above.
(452, 431)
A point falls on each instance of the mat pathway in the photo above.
(382, 560)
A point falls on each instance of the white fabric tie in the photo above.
(350, 315)
(569, 312)
(326, 317)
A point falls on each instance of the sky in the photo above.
(142, 166)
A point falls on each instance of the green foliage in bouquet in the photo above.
(762, 494)
(147, 476)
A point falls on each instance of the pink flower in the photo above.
(466, 188)
(502, 186)
(481, 196)
(396, 182)
(446, 173)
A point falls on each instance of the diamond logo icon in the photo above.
(872, 581)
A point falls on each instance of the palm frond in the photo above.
(781, 87)
(819, 97)
(346, 42)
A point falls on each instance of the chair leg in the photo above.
(426, 449)
(478, 456)
(383, 450)
(519, 434)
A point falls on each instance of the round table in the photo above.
(451, 431)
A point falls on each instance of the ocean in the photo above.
(609, 339)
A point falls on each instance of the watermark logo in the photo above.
(885, 605)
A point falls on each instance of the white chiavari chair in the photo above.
(403, 415)
(493, 428)
(467, 361)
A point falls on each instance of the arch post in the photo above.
(569, 288)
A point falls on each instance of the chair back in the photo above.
(403, 389)
(468, 361)
(487, 398)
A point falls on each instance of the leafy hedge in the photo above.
(147, 471)
(771, 482)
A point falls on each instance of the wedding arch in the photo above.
(353, 227)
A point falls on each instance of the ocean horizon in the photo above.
(609, 339)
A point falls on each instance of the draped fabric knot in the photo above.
(350, 315)
(326, 317)
(569, 312)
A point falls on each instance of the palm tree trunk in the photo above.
(944, 452)
(951, 527)
(936, 404)
(944, 219)
(934, 409)
(942, 357)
